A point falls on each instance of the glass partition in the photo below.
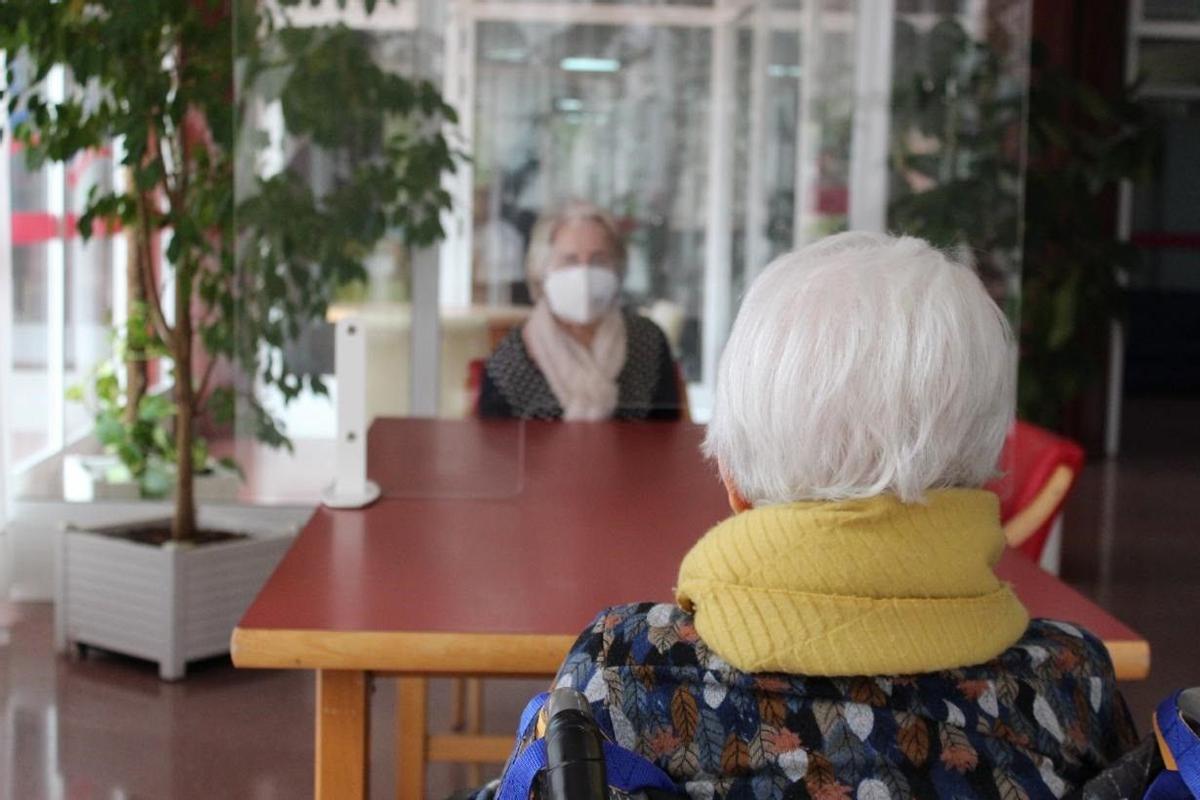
(716, 134)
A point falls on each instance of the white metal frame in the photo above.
(718, 234)
(59, 256)
(872, 117)
(391, 15)
(1116, 332)
(458, 86)
(757, 246)
(120, 244)
(808, 131)
(56, 282)
(6, 301)
(54, 175)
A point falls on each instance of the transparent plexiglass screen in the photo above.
(312, 82)
(714, 135)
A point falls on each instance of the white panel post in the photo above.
(872, 115)
(425, 338)
(351, 489)
(718, 238)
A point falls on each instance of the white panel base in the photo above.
(334, 498)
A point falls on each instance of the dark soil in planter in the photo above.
(159, 533)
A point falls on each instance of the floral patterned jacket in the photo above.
(1036, 722)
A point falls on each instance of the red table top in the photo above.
(529, 528)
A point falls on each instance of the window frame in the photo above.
(55, 227)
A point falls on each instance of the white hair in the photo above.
(858, 365)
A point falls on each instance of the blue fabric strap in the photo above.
(530, 712)
(1184, 745)
(626, 770)
(629, 772)
(521, 772)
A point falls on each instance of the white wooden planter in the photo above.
(170, 604)
(85, 480)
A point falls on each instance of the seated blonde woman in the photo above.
(843, 635)
(580, 356)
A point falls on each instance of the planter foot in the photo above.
(171, 672)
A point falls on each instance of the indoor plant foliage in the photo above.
(959, 130)
(131, 424)
(160, 75)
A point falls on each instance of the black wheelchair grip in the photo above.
(575, 767)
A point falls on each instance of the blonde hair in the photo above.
(859, 365)
(541, 241)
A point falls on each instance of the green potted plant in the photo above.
(134, 431)
(250, 265)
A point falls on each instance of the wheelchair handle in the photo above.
(575, 767)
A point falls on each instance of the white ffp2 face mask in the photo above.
(581, 294)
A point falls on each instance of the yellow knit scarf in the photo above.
(856, 587)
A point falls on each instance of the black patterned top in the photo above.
(514, 386)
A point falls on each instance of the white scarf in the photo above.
(583, 379)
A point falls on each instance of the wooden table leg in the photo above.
(411, 737)
(458, 704)
(474, 721)
(343, 730)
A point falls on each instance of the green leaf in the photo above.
(118, 473)
(1062, 325)
(200, 454)
(155, 408)
(232, 465)
(109, 430)
(157, 480)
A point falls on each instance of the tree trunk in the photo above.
(183, 527)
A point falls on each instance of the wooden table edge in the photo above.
(492, 654)
(496, 654)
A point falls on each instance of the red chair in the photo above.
(475, 369)
(1040, 469)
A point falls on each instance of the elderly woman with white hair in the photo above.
(580, 356)
(843, 634)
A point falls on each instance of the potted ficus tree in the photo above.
(247, 268)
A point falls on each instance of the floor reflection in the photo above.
(107, 727)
